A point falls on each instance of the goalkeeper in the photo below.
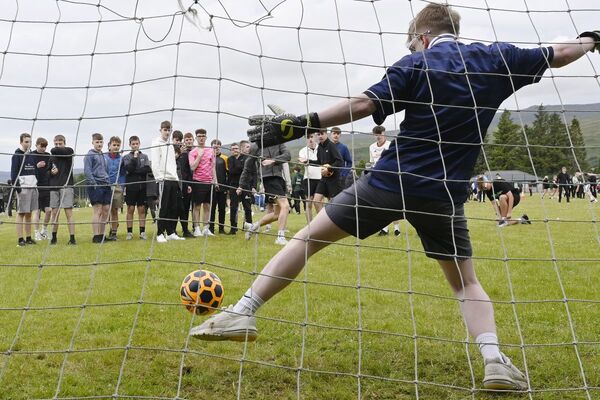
(450, 92)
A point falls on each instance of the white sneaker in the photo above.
(129, 236)
(267, 228)
(143, 236)
(174, 236)
(197, 232)
(503, 375)
(44, 234)
(207, 232)
(250, 229)
(161, 239)
(37, 236)
(227, 325)
(281, 241)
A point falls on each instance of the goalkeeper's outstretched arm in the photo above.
(346, 111)
(566, 53)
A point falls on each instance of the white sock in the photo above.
(385, 229)
(396, 227)
(488, 346)
(281, 233)
(249, 303)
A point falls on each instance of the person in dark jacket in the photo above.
(23, 175)
(331, 161)
(564, 184)
(42, 162)
(220, 193)
(137, 167)
(235, 166)
(62, 195)
(185, 177)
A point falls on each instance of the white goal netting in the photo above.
(366, 318)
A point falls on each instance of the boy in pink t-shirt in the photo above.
(202, 164)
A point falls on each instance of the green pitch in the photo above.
(106, 320)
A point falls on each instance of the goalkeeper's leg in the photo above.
(238, 323)
(478, 313)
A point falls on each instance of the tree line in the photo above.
(541, 148)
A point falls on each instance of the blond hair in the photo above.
(437, 19)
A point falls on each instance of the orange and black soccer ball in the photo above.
(202, 292)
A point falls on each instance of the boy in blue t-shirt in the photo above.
(450, 92)
(116, 175)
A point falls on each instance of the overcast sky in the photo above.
(220, 73)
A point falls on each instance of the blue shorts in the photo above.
(99, 195)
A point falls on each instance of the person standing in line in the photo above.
(184, 173)
(545, 186)
(312, 173)
(331, 161)
(42, 162)
(347, 174)
(297, 193)
(235, 166)
(164, 169)
(593, 182)
(563, 179)
(219, 200)
(136, 165)
(99, 193)
(375, 150)
(22, 175)
(62, 194)
(202, 164)
(116, 175)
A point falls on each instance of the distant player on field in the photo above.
(422, 176)
(504, 198)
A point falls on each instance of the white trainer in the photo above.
(129, 236)
(37, 236)
(161, 238)
(501, 374)
(282, 241)
(143, 236)
(227, 325)
(44, 234)
(197, 232)
(207, 232)
(250, 229)
(174, 236)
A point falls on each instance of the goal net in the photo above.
(365, 319)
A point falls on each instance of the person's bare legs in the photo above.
(141, 210)
(290, 260)
(70, 221)
(129, 217)
(54, 219)
(114, 219)
(475, 305)
(318, 200)
(282, 210)
(27, 221)
(19, 224)
(308, 210)
(97, 219)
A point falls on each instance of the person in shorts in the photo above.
(504, 198)
(62, 195)
(202, 164)
(331, 162)
(312, 173)
(271, 160)
(421, 177)
(116, 175)
(98, 181)
(137, 167)
(23, 176)
(43, 176)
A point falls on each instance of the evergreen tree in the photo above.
(578, 146)
(508, 150)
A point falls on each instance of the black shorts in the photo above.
(201, 192)
(309, 186)
(135, 194)
(100, 195)
(329, 187)
(274, 188)
(441, 226)
(43, 199)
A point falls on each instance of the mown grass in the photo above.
(373, 322)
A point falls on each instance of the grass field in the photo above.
(372, 322)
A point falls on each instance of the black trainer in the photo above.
(72, 242)
(525, 219)
(30, 241)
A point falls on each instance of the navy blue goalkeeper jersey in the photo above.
(450, 92)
